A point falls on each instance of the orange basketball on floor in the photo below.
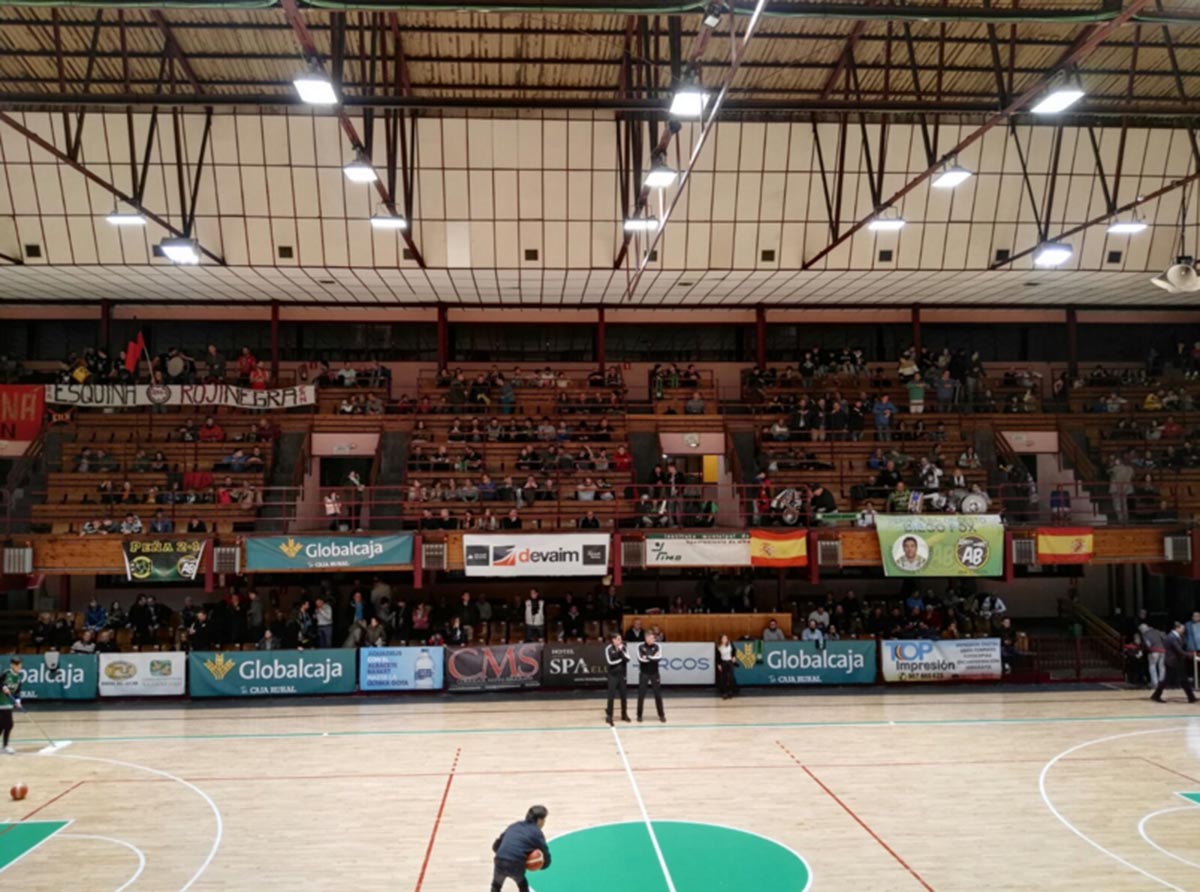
(20, 791)
(535, 860)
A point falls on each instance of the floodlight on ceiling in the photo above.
(315, 87)
(360, 170)
(641, 224)
(388, 221)
(117, 218)
(690, 98)
(951, 176)
(1053, 254)
(1059, 99)
(183, 251)
(885, 223)
(712, 15)
(1127, 227)
(660, 175)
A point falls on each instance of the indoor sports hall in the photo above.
(641, 446)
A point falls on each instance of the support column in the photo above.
(600, 357)
(760, 337)
(443, 339)
(1072, 342)
(275, 341)
(105, 324)
(916, 329)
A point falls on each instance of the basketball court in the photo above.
(902, 791)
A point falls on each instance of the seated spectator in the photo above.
(131, 525)
(694, 404)
(887, 478)
(211, 432)
(812, 632)
(589, 521)
(85, 644)
(866, 516)
(511, 521)
(161, 523)
(821, 501)
(95, 617)
(772, 632)
(899, 502)
(970, 460)
(585, 490)
(159, 462)
(635, 634)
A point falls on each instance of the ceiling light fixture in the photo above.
(1127, 227)
(1058, 100)
(951, 176)
(117, 218)
(360, 170)
(641, 224)
(660, 174)
(388, 221)
(315, 87)
(690, 98)
(1053, 254)
(712, 15)
(887, 224)
(183, 251)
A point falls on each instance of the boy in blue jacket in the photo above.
(514, 844)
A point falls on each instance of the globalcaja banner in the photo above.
(573, 665)
(681, 663)
(143, 674)
(804, 662)
(22, 409)
(327, 552)
(681, 550)
(400, 668)
(269, 673)
(966, 659)
(74, 678)
(120, 396)
(163, 560)
(568, 554)
(493, 668)
(941, 544)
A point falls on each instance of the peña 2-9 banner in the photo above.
(941, 544)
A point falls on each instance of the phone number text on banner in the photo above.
(941, 545)
(966, 659)
(143, 674)
(568, 554)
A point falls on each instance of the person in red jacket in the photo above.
(245, 365)
(211, 432)
(621, 459)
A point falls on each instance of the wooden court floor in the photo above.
(947, 790)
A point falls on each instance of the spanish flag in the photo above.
(1064, 545)
(771, 549)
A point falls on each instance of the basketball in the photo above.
(534, 860)
(20, 791)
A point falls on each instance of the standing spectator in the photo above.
(468, 616)
(1193, 633)
(535, 617)
(946, 388)
(883, 411)
(635, 634)
(1178, 664)
(725, 666)
(215, 365)
(916, 395)
(324, 622)
(1154, 645)
(254, 616)
(1120, 478)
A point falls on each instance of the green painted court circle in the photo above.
(700, 858)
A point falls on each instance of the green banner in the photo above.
(804, 662)
(163, 560)
(271, 673)
(76, 678)
(941, 544)
(328, 552)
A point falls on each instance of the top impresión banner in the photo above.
(122, 396)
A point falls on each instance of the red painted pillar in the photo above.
(64, 593)
(418, 554)
(600, 338)
(760, 337)
(443, 338)
(616, 558)
(105, 322)
(916, 328)
(1072, 343)
(814, 569)
(1009, 573)
(209, 560)
(275, 341)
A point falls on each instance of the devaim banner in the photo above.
(129, 396)
(568, 554)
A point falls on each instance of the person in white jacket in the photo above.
(535, 617)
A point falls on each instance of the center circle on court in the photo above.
(700, 858)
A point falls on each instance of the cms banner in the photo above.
(143, 674)
(55, 676)
(967, 659)
(493, 668)
(804, 662)
(270, 673)
(400, 668)
(691, 664)
(565, 554)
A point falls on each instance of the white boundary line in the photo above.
(1091, 842)
(1166, 811)
(799, 857)
(645, 815)
(67, 824)
(141, 856)
(212, 852)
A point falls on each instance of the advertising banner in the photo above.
(566, 554)
(163, 560)
(573, 665)
(804, 662)
(22, 408)
(74, 679)
(143, 674)
(681, 663)
(786, 549)
(327, 552)
(493, 668)
(201, 396)
(966, 659)
(1065, 545)
(941, 544)
(269, 673)
(682, 550)
(400, 668)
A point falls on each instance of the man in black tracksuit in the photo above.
(1178, 665)
(649, 654)
(515, 844)
(616, 659)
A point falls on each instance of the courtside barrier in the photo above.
(271, 673)
(805, 662)
(73, 679)
(157, 674)
(966, 659)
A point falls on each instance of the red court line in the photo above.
(45, 804)
(438, 820)
(1186, 777)
(875, 836)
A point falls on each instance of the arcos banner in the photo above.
(682, 663)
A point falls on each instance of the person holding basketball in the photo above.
(10, 698)
(514, 846)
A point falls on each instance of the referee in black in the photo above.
(649, 654)
(616, 659)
